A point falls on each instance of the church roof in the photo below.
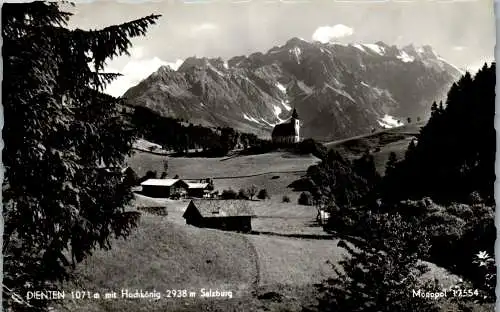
(285, 129)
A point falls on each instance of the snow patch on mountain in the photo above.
(404, 57)
(341, 92)
(285, 105)
(215, 70)
(359, 47)
(340, 44)
(389, 121)
(226, 65)
(269, 123)
(245, 116)
(297, 53)
(277, 113)
(375, 48)
(281, 87)
(325, 51)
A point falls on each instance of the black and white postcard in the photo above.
(248, 156)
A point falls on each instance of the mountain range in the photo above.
(339, 90)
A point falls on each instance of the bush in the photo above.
(252, 190)
(305, 199)
(242, 194)
(302, 185)
(286, 199)
(309, 146)
(229, 194)
(263, 194)
(130, 177)
(381, 274)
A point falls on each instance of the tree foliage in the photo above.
(263, 194)
(345, 183)
(175, 135)
(305, 199)
(60, 134)
(381, 273)
(252, 190)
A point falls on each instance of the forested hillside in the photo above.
(435, 204)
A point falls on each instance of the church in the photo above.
(288, 132)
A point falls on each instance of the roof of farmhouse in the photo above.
(213, 208)
(192, 185)
(160, 182)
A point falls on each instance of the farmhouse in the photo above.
(163, 188)
(230, 215)
(288, 132)
(199, 190)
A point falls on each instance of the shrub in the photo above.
(303, 184)
(286, 199)
(252, 190)
(475, 198)
(130, 177)
(487, 270)
(309, 146)
(263, 194)
(242, 194)
(305, 198)
(229, 194)
(381, 274)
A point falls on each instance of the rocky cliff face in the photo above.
(338, 90)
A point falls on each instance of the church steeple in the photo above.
(294, 114)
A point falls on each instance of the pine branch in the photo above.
(113, 40)
(100, 80)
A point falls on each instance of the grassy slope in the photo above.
(197, 168)
(380, 144)
(164, 255)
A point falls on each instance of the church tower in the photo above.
(296, 125)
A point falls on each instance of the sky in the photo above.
(460, 31)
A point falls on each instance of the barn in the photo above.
(163, 188)
(229, 215)
(197, 189)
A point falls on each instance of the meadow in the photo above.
(272, 269)
(379, 144)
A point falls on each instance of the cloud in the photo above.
(135, 71)
(203, 28)
(325, 34)
(137, 52)
(458, 48)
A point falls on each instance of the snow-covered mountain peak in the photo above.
(338, 89)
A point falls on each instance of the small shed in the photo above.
(229, 215)
(163, 188)
(197, 189)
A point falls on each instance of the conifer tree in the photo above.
(434, 108)
(391, 163)
(411, 149)
(60, 131)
